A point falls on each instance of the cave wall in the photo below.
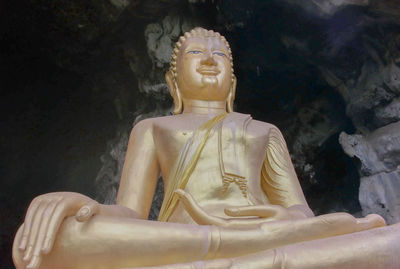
(80, 74)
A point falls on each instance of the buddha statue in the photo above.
(232, 198)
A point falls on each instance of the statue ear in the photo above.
(174, 91)
(231, 96)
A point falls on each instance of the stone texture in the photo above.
(389, 113)
(327, 7)
(379, 195)
(375, 92)
(160, 39)
(379, 154)
(368, 81)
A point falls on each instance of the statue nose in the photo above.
(208, 59)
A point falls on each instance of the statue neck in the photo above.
(204, 107)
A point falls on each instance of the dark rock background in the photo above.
(76, 75)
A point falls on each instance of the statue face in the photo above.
(203, 69)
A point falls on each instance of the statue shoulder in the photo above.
(142, 134)
(255, 127)
(149, 123)
(143, 125)
(143, 129)
(261, 127)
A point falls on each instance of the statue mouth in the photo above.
(208, 71)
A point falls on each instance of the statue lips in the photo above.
(208, 71)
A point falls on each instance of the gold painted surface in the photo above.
(233, 199)
(185, 165)
(279, 179)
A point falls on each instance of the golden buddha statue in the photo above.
(232, 197)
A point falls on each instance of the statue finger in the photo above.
(48, 212)
(370, 221)
(187, 199)
(263, 211)
(34, 231)
(55, 221)
(28, 222)
(335, 223)
(35, 262)
(196, 212)
(189, 203)
(87, 211)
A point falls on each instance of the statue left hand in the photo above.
(261, 213)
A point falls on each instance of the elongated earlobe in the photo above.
(174, 91)
(231, 96)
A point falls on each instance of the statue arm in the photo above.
(140, 172)
(47, 212)
(138, 181)
(279, 180)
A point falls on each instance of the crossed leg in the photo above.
(110, 242)
(374, 249)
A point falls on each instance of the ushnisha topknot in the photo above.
(197, 32)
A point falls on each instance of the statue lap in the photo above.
(188, 245)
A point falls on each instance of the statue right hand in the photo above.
(44, 217)
(256, 215)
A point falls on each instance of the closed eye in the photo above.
(219, 53)
(194, 52)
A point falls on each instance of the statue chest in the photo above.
(228, 168)
(221, 174)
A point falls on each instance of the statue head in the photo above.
(202, 69)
